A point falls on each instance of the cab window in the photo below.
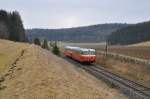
(88, 53)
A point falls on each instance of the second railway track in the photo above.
(131, 88)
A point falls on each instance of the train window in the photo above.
(93, 53)
(88, 53)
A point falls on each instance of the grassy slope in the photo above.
(42, 75)
(9, 51)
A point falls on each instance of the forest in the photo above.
(93, 33)
(129, 35)
(11, 26)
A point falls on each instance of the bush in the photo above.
(55, 49)
(37, 42)
(45, 45)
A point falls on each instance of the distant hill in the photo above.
(132, 34)
(11, 26)
(94, 33)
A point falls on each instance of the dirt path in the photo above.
(39, 74)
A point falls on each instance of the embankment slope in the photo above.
(38, 74)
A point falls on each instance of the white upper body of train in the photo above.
(85, 51)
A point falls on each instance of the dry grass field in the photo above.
(132, 71)
(134, 51)
(147, 43)
(38, 74)
(9, 51)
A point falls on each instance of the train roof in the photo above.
(71, 47)
(79, 48)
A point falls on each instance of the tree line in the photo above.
(11, 26)
(48, 46)
(93, 33)
(132, 34)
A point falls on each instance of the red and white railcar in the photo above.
(80, 54)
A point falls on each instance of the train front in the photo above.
(88, 55)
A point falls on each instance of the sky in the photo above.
(73, 13)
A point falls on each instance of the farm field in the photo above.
(147, 43)
(134, 51)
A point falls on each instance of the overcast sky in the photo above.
(73, 13)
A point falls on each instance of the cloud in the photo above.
(70, 13)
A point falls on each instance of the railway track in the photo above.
(131, 88)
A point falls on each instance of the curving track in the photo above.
(131, 88)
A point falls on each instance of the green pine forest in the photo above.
(11, 26)
(129, 35)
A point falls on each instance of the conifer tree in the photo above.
(37, 42)
(45, 44)
(11, 26)
(56, 49)
(17, 32)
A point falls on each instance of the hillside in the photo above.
(94, 33)
(132, 34)
(9, 51)
(37, 73)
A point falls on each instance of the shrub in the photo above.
(45, 45)
(55, 49)
(37, 42)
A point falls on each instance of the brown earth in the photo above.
(147, 43)
(38, 74)
(134, 51)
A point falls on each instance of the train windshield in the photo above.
(88, 53)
